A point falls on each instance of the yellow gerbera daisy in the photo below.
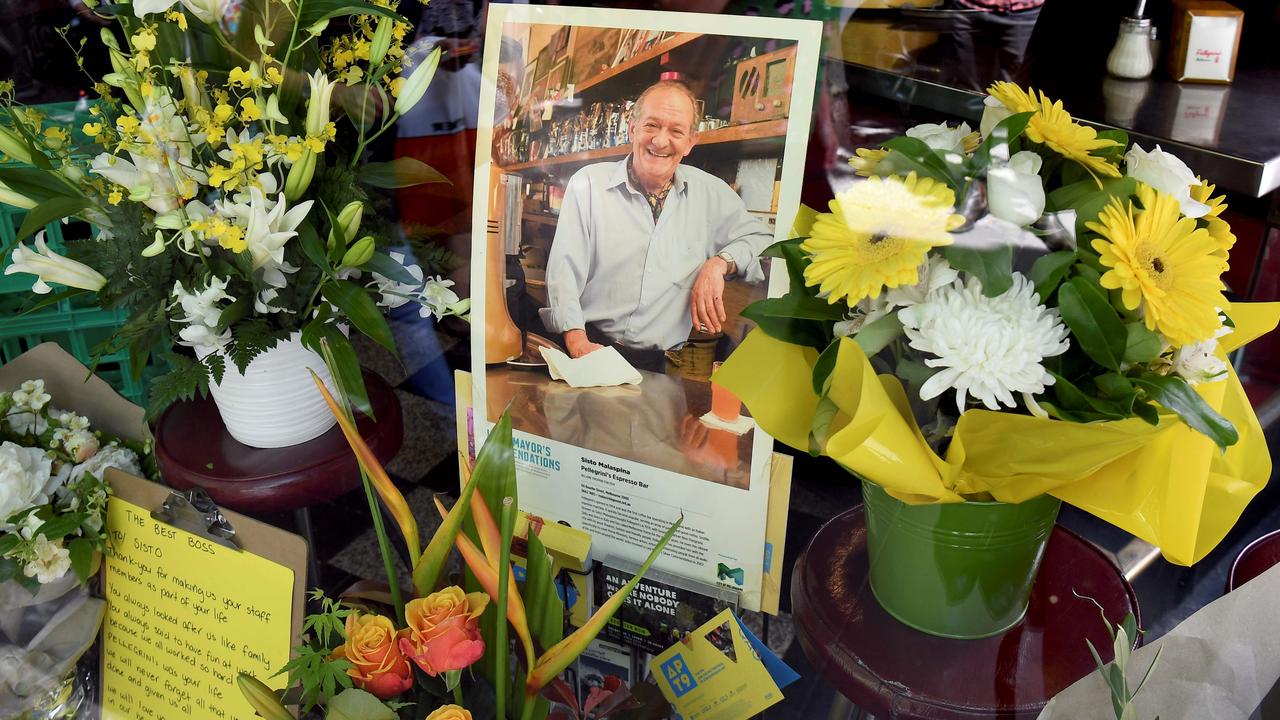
(877, 234)
(865, 160)
(1219, 229)
(1054, 127)
(1163, 262)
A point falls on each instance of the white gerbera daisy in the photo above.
(988, 348)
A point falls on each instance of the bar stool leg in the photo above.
(302, 520)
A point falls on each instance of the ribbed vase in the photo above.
(274, 403)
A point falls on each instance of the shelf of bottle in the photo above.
(652, 53)
(767, 131)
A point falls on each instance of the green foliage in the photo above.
(1050, 270)
(399, 173)
(1093, 322)
(1175, 394)
(354, 704)
(1115, 674)
(328, 624)
(312, 670)
(993, 267)
(186, 378)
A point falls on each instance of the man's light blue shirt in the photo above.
(611, 265)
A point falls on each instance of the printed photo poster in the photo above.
(621, 205)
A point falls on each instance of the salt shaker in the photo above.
(1131, 57)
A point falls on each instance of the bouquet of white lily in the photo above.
(226, 179)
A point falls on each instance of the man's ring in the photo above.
(702, 327)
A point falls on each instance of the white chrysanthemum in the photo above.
(935, 272)
(987, 348)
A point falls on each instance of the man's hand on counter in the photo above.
(708, 296)
(576, 342)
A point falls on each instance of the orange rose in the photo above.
(372, 647)
(444, 630)
(450, 712)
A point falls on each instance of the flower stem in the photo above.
(457, 695)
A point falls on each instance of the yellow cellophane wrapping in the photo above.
(1166, 484)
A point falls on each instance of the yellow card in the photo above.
(184, 616)
(714, 674)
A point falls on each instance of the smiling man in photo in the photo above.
(644, 244)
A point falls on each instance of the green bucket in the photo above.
(956, 570)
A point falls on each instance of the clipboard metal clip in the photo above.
(197, 513)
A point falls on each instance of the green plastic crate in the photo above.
(75, 323)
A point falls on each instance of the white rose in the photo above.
(941, 137)
(1199, 363)
(1015, 192)
(1165, 173)
(24, 476)
(111, 456)
(993, 112)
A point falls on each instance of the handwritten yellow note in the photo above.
(184, 616)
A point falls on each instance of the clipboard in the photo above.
(197, 520)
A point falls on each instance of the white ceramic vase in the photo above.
(274, 403)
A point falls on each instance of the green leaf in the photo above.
(346, 369)
(61, 526)
(8, 543)
(542, 603)
(38, 185)
(81, 551)
(313, 11)
(313, 246)
(1093, 322)
(993, 267)
(1088, 208)
(399, 173)
(360, 309)
(1175, 394)
(825, 364)
(1049, 270)
(1113, 385)
(913, 154)
(1149, 413)
(1006, 131)
(1141, 345)
(354, 704)
(820, 431)
(877, 335)
(235, 312)
(810, 333)
(386, 266)
(796, 260)
(793, 305)
(8, 569)
(186, 378)
(50, 210)
(496, 457)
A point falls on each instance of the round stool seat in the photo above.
(1260, 556)
(893, 671)
(194, 449)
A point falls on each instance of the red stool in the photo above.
(194, 449)
(892, 671)
(1260, 556)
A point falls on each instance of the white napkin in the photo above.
(601, 368)
(737, 427)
